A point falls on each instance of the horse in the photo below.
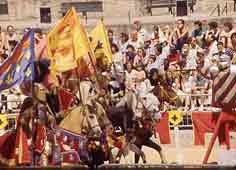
(143, 134)
(77, 119)
(163, 89)
(81, 120)
(139, 135)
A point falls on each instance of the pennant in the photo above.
(19, 66)
(99, 37)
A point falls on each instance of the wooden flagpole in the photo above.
(78, 76)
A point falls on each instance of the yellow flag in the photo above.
(67, 42)
(99, 35)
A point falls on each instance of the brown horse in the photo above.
(165, 94)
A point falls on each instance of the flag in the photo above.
(86, 60)
(67, 43)
(99, 35)
(19, 66)
(60, 43)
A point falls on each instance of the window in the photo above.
(3, 7)
(93, 6)
(45, 15)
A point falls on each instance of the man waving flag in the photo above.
(19, 66)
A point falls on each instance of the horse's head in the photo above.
(101, 115)
(90, 124)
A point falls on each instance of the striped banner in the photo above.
(224, 90)
(224, 87)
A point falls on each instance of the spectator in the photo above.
(12, 101)
(117, 59)
(130, 75)
(111, 37)
(200, 86)
(11, 38)
(211, 47)
(221, 58)
(159, 62)
(2, 41)
(197, 32)
(180, 35)
(134, 41)
(213, 30)
(233, 48)
(141, 32)
(167, 32)
(148, 45)
(130, 54)
(226, 34)
(139, 58)
(123, 42)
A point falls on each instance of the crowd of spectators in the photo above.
(173, 54)
(169, 52)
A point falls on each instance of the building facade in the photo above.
(47, 12)
(44, 13)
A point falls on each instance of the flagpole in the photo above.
(78, 76)
(95, 69)
(34, 128)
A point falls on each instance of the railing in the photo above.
(223, 10)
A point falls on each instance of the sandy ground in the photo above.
(189, 153)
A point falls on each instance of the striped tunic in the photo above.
(223, 88)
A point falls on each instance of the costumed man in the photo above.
(43, 122)
(148, 108)
(223, 93)
(24, 134)
(15, 146)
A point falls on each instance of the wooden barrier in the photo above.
(166, 167)
(130, 167)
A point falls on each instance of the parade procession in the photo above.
(93, 97)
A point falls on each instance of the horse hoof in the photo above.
(163, 162)
(144, 161)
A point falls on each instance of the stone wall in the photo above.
(117, 13)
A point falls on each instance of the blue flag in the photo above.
(20, 65)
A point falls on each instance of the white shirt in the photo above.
(13, 101)
(191, 60)
(118, 61)
(123, 47)
(158, 63)
(136, 44)
(142, 33)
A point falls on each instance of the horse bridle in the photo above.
(84, 127)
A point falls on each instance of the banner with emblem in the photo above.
(19, 66)
(3, 121)
(175, 117)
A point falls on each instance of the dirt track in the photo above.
(191, 154)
